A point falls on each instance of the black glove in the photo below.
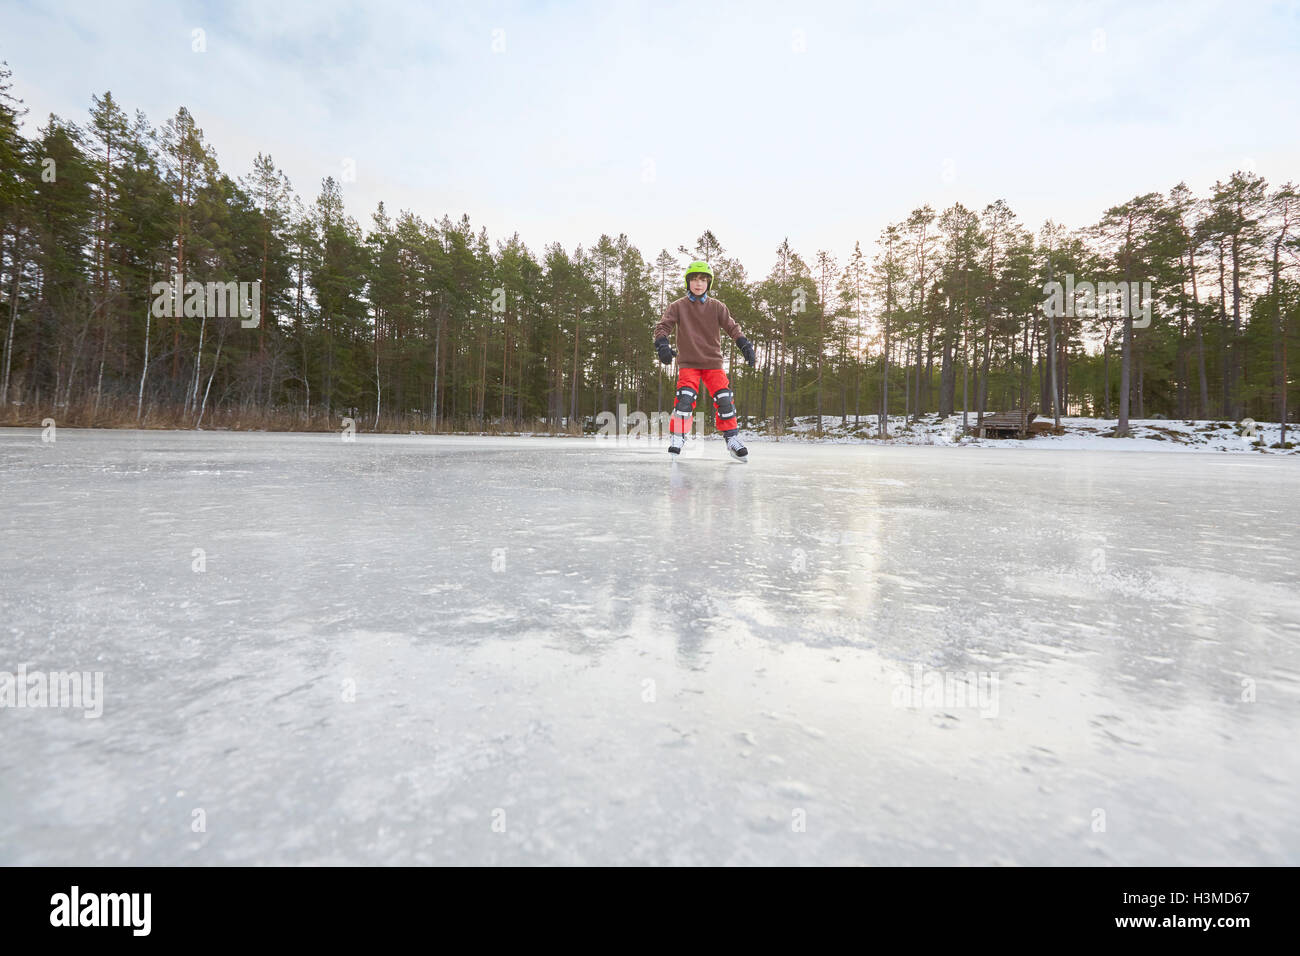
(666, 353)
(747, 350)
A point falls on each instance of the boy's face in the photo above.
(699, 284)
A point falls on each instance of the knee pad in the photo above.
(726, 405)
(685, 401)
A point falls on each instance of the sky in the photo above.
(822, 123)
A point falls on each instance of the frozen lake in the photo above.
(535, 650)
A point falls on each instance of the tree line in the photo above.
(409, 323)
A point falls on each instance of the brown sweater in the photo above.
(697, 324)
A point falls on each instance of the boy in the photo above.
(698, 319)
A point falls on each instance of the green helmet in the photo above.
(699, 266)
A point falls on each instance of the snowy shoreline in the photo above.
(1151, 434)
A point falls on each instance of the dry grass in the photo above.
(123, 415)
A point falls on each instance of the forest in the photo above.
(411, 324)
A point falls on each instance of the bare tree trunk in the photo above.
(965, 372)
(1140, 403)
(437, 348)
(1105, 366)
(1225, 350)
(573, 395)
(103, 351)
(1126, 355)
(1041, 347)
(505, 365)
(920, 342)
(1204, 408)
(982, 386)
(1056, 395)
(884, 379)
(1124, 375)
(780, 385)
(821, 347)
(857, 370)
(947, 376)
(144, 369)
(193, 399)
(928, 377)
(271, 380)
(1284, 381)
(522, 332)
(9, 339)
(1238, 352)
(220, 339)
(909, 383)
(482, 385)
(1279, 350)
(1051, 344)
(379, 388)
(1180, 362)
(261, 320)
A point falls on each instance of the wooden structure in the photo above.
(1012, 424)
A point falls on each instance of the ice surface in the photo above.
(533, 650)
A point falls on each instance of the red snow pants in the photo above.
(715, 380)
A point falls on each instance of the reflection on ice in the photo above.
(420, 650)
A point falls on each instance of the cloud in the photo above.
(818, 121)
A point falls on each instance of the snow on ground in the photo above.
(413, 649)
(1151, 434)
(1154, 434)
